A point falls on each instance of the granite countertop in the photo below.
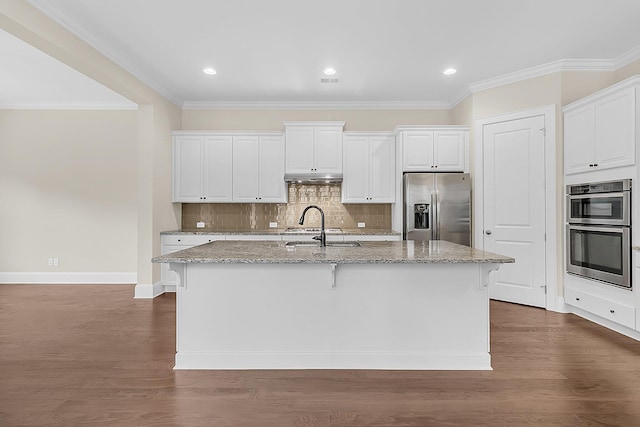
(400, 252)
(281, 231)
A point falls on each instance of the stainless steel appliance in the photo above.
(437, 206)
(599, 231)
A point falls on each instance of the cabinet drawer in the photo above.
(373, 237)
(259, 237)
(190, 239)
(614, 311)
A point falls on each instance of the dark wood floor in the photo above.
(92, 355)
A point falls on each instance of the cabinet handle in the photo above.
(590, 165)
(179, 240)
(436, 166)
(612, 311)
(595, 165)
(577, 299)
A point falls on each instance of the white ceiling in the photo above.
(386, 52)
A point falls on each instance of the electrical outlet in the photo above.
(361, 225)
(273, 225)
(199, 224)
(50, 262)
(56, 262)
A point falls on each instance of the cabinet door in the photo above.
(245, 169)
(616, 130)
(355, 184)
(328, 150)
(272, 188)
(381, 170)
(217, 169)
(579, 140)
(187, 169)
(299, 149)
(448, 151)
(417, 151)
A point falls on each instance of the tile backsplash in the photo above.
(257, 216)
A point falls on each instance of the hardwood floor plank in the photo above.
(92, 355)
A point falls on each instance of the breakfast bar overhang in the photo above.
(382, 305)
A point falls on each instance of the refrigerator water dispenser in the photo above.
(421, 213)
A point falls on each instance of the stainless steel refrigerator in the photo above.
(437, 206)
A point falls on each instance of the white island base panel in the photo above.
(327, 316)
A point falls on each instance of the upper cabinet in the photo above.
(258, 169)
(313, 147)
(600, 130)
(202, 170)
(428, 149)
(224, 167)
(369, 166)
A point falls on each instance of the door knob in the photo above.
(487, 231)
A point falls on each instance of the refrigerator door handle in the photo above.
(435, 229)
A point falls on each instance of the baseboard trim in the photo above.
(144, 291)
(321, 360)
(605, 323)
(50, 278)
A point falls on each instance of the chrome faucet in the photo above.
(322, 237)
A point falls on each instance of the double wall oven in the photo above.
(599, 231)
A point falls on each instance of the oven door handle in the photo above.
(622, 194)
(616, 229)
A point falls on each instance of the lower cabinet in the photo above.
(622, 314)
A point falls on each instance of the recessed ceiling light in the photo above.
(329, 71)
(449, 71)
(209, 71)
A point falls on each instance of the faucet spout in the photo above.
(323, 236)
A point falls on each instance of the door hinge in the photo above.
(544, 131)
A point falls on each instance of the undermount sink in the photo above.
(317, 244)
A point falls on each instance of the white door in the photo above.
(271, 170)
(382, 170)
(245, 169)
(417, 151)
(217, 168)
(187, 169)
(514, 208)
(448, 151)
(328, 149)
(355, 187)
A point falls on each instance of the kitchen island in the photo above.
(381, 305)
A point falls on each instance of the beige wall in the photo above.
(271, 119)
(627, 71)
(156, 118)
(65, 186)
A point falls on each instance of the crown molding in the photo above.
(62, 18)
(315, 105)
(544, 69)
(558, 66)
(627, 57)
(66, 106)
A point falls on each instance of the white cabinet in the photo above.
(258, 169)
(224, 167)
(437, 150)
(313, 147)
(623, 314)
(202, 170)
(600, 130)
(369, 167)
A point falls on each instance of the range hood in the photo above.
(313, 178)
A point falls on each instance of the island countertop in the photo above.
(399, 252)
